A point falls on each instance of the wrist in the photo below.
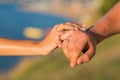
(100, 30)
(96, 38)
(47, 46)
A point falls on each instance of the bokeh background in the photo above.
(32, 19)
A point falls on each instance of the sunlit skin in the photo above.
(10, 47)
(72, 41)
(27, 47)
(86, 41)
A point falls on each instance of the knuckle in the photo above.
(86, 58)
(91, 53)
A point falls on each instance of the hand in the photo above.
(76, 43)
(79, 42)
(64, 30)
(49, 43)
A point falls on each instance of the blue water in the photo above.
(12, 23)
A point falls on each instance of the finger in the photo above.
(57, 36)
(73, 62)
(65, 35)
(77, 49)
(65, 48)
(57, 39)
(60, 29)
(80, 26)
(85, 57)
(73, 59)
(71, 48)
(63, 27)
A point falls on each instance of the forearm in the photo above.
(21, 47)
(27, 47)
(108, 25)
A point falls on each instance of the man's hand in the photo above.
(79, 47)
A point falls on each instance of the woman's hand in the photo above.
(49, 44)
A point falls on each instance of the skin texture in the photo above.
(72, 40)
(78, 41)
(27, 47)
(85, 41)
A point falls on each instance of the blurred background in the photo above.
(32, 19)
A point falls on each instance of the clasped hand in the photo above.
(77, 45)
